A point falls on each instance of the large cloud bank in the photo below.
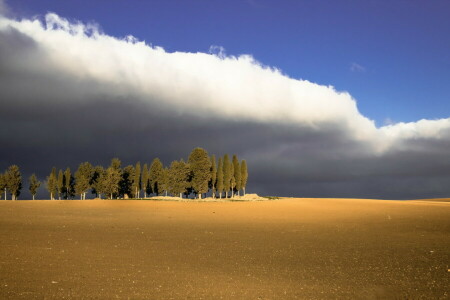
(72, 93)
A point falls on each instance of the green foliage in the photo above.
(136, 184)
(244, 175)
(219, 182)
(34, 184)
(200, 168)
(179, 178)
(52, 184)
(226, 174)
(164, 184)
(83, 178)
(126, 181)
(144, 180)
(13, 180)
(68, 184)
(237, 173)
(97, 181)
(110, 181)
(212, 182)
(60, 184)
(155, 176)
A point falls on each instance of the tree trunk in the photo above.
(199, 195)
(111, 196)
(181, 195)
(33, 197)
(244, 190)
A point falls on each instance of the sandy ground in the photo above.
(282, 249)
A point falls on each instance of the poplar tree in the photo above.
(34, 185)
(232, 179)
(164, 183)
(155, 174)
(226, 174)
(52, 186)
(113, 175)
(144, 179)
(200, 168)
(60, 184)
(244, 175)
(179, 177)
(213, 175)
(97, 181)
(237, 174)
(68, 183)
(136, 186)
(219, 182)
(125, 185)
(83, 178)
(3, 184)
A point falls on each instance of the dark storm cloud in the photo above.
(57, 109)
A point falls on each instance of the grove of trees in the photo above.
(199, 175)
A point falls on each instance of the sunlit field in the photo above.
(287, 248)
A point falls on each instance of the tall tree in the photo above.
(155, 174)
(179, 177)
(60, 184)
(97, 181)
(13, 181)
(34, 185)
(237, 174)
(136, 186)
(226, 174)
(111, 180)
(144, 179)
(164, 183)
(83, 178)
(244, 175)
(201, 170)
(68, 184)
(219, 182)
(232, 180)
(3, 184)
(213, 175)
(52, 186)
(125, 185)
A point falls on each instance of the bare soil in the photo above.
(280, 249)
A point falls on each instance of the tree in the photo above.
(97, 181)
(136, 185)
(52, 186)
(200, 167)
(68, 184)
(60, 184)
(155, 174)
(219, 182)
(34, 184)
(110, 183)
(244, 175)
(226, 174)
(237, 173)
(3, 184)
(83, 178)
(179, 177)
(213, 175)
(144, 180)
(232, 179)
(13, 180)
(125, 185)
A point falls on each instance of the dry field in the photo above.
(282, 249)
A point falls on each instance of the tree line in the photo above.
(199, 175)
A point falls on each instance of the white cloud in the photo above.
(228, 87)
(354, 67)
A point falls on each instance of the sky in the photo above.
(322, 98)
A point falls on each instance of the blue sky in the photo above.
(399, 50)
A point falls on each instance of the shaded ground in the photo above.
(292, 248)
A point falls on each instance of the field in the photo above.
(288, 248)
